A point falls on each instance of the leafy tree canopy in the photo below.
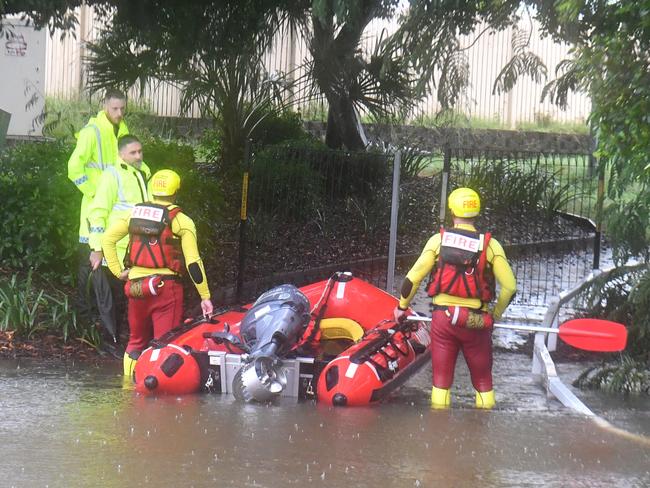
(186, 41)
(611, 62)
(56, 13)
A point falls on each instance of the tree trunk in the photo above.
(335, 67)
(343, 126)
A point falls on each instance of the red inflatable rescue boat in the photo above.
(335, 341)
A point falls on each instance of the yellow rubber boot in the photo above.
(129, 365)
(485, 399)
(440, 398)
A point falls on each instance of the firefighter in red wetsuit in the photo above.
(463, 265)
(162, 245)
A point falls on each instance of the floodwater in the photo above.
(77, 426)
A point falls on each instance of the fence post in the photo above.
(394, 209)
(599, 216)
(600, 197)
(83, 35)
(446, 168)
(5, 118)
(243, 219)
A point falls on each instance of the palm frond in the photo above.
(523, 62)
(566, 81)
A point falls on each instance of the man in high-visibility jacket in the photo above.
(96, 150)
(120, 187)
(463, 265)
(162, 245)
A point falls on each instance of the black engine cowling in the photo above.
(275, 322)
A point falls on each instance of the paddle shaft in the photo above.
(530, 328)
(533, 328)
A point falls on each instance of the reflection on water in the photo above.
(79, 427)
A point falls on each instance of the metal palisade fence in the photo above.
(542, 207)
(309, 212)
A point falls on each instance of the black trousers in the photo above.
(99, 295)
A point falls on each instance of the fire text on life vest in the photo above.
(148, 213)
(459, 241)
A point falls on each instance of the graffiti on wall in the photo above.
(15, 45)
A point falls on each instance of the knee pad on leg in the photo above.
(129, 365)
(440, 397)
(485, 399)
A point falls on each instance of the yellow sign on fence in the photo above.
(244, 197)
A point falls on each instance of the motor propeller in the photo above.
(269, 330)
(260, 380)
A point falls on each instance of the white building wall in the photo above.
(22, 79)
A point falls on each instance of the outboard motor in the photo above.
(269, 329)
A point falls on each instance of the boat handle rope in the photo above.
(321, 312)
(186, 325)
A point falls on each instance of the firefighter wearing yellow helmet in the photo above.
(162, 247)
(463, 264)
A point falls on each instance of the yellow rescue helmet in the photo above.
(165, 183)
(464, 203)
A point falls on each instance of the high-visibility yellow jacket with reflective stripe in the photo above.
(119, 188)
(96, 150)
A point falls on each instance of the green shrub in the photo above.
(201, 198)
(274, 128)
(627, 228)
(509, 184)
(625, 376)
(20, 306)
(163, 154)
(201, 195)
(354, 174)
(39, 215)
(345, 173)
(57, 314)
(27, 309)
(296, 178)
(278, 127)
(284, 185)
(414, 161)
(209, 148)
(624, 296)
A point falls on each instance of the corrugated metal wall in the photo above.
(487, 56)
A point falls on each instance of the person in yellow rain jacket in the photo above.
(162, 245)
(120, 187)
(96, 149)
(463, 265)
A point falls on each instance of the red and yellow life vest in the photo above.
(152, 244)
(462, 269)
